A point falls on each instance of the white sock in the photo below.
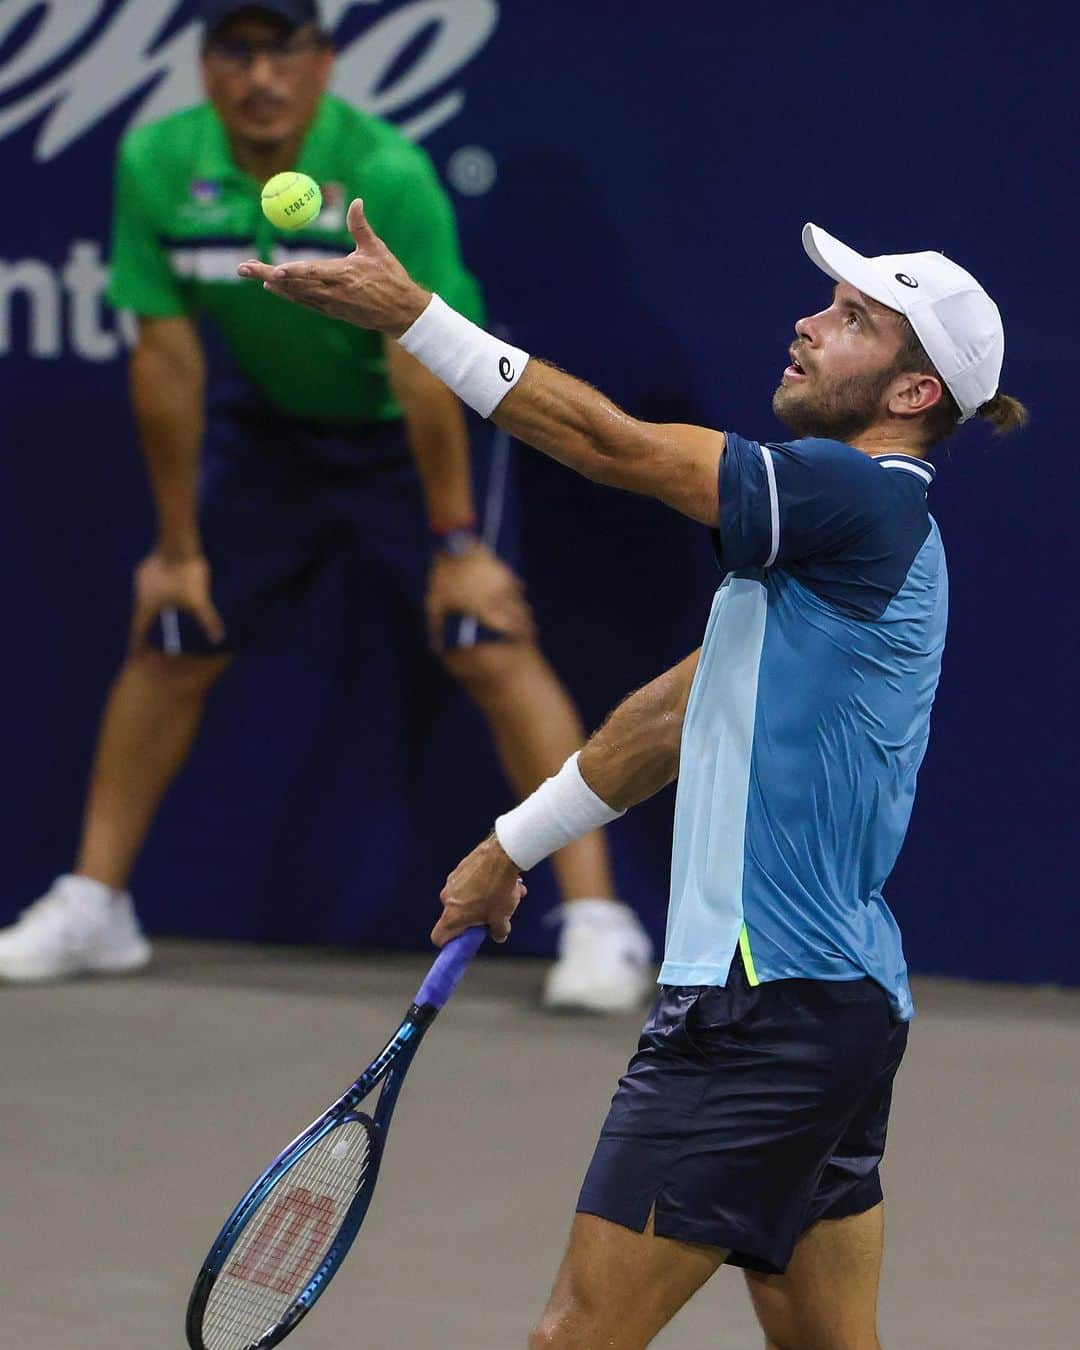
(88, 891)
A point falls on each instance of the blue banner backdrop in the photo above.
(630, 182)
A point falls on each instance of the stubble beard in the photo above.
(839, 412)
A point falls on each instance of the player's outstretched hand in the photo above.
(483, 888)
(368, 288)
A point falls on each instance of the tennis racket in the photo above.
(288, 1236)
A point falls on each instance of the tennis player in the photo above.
(751, 1122)
(316, 447)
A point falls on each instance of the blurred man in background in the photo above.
(304, 431)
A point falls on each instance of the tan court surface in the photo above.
(134, 1112)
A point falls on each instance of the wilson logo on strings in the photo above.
(289, 1243)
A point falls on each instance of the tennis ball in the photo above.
(291, 200)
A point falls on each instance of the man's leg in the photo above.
(827, 1298)
(151, 717)
(616, 1289)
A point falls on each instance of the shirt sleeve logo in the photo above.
(506, 368)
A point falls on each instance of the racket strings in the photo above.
(286, 1240)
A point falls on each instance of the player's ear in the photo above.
(914, 394)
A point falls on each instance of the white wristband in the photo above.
(561, 810)
(479, 368)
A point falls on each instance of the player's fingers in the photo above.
(310, 275)
(359, 228)
(499, 929)
(448, 927)
(256, 270)
(315, 274)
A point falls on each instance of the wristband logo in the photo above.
(506, 369)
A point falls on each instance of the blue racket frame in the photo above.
(388, 1069)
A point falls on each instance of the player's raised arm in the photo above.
(546, 408)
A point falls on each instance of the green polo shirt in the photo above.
(186, 216)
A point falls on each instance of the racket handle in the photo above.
(449, 966)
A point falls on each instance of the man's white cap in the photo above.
(955, 320)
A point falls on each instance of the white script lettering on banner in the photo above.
(127, 57)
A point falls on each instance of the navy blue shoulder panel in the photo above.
(845, 525)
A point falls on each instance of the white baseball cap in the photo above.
(955, 320)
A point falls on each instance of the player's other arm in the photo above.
(636, 752)
(633, 755)
(559, 415)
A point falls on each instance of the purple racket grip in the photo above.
(449, 966)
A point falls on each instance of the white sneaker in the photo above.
(605, 959)
(77, 925)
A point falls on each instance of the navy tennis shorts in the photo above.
(282, 500)
(749, 1113)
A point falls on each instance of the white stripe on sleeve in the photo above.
(774, 505)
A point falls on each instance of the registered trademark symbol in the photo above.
(472, 170)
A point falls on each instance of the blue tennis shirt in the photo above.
(808, 717)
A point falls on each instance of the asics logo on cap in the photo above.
(905, 280)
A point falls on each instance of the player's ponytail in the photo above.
(1004, 414)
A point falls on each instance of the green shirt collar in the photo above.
(213, 158)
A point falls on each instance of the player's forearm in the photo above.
(555, 413)
(438, 439)
(167, 391)
(564, 417)
(636, 752)
(577, 425)
(633, 755)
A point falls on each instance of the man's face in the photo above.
(843, 368)
(264, 79)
